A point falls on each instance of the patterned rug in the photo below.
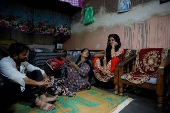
(88, 101)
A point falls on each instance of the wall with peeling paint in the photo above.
(146, 25)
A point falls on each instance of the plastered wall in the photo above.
(146, 25)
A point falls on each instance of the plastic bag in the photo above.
(88, 15)
(124, 5)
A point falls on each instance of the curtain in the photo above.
(15, 16)
(22, 18)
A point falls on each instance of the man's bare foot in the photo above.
(48, 99)
(43, 105)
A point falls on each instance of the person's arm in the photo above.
(100, 54)
(84, 70)
(104, 64)
(76, 67)
(112, 52)
(29, 81)
(72, 64)
(46, 77)
(29, 67)
(116, 54)
(8, 70)
(113, 48)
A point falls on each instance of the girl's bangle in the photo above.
(113, 47)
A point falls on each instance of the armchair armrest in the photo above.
(127, 60)
(164, 64)
(161, 77)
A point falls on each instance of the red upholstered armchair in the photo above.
(127, 53)
(149, 70)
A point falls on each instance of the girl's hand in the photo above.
(43, 83)
(108, 73)
(71, 63)
(47, 80)
(45, 77)
(104, 71)
(114, 44)
(67, 62)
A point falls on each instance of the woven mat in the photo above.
(88, 101)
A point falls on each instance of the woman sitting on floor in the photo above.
(111, 56)
(78, 76)
(80, 72)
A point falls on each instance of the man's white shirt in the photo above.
(9, 70)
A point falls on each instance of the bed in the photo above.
(39, 59)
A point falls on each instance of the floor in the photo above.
(144, 100)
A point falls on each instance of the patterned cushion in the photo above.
(138, 77)
(150, 81)
(73, 55)
(146, 65)
(54, 63)
(128, 52)
(148, 60)
(104, 78)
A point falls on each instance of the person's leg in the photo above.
(97, 65)
(30, 96)
(94, 62)
(9, 95)
(114, 61)
(37, 76)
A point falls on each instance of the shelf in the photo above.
(52, 5)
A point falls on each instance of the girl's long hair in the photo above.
(88, 61)
(109, 47)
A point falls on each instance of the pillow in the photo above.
(40, 50)
(73, 55)
(54, 63)
(58, 61)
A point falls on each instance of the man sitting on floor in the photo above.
(18, 85)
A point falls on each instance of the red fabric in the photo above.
(54, 63)
(95, 58)
(124, 52)
(138, 77)
(147, 63)
(149, 60)
(114, 61)
(58, 61)
(99, 75)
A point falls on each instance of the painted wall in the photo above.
(146, 25)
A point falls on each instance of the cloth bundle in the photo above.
(124, 5)
(54, 63)
(57, 87)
